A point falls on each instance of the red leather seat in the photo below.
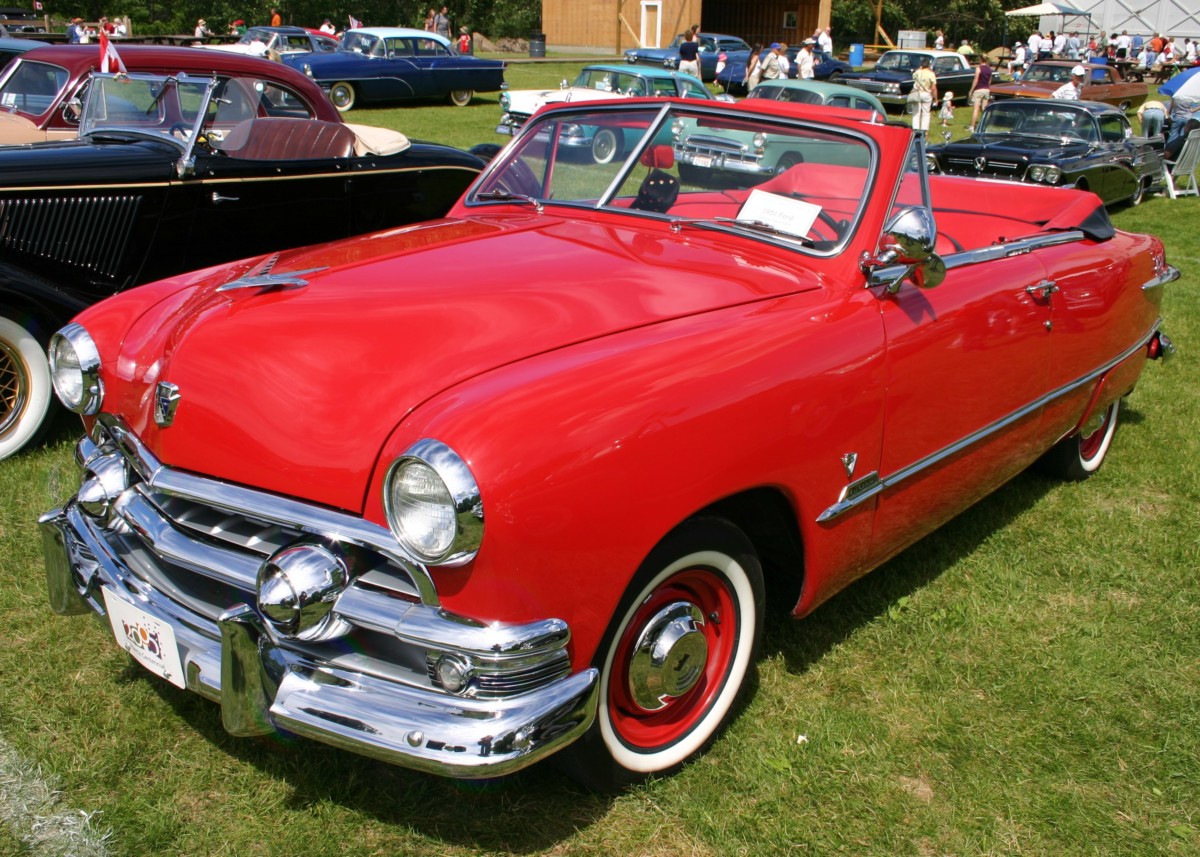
(287, 139)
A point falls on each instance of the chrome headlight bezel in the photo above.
(75, 369)
(459, 539)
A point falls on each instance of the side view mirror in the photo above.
(908, 239)
(72, 110)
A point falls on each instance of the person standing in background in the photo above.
(981, 91)
(689, 54)
(925, 90)
(441, 23)
(276, 18)
(804, 61)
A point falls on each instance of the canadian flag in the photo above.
(354, 22)
(37, 6)
(110, 60)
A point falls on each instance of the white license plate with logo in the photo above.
(150, 640)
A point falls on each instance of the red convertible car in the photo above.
(456, 520)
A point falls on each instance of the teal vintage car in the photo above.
(601, 83)
(699, 150)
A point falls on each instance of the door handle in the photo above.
(1042, 290)
(217, 198)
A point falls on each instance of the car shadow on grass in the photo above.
(540, 807)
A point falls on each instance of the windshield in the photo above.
(169, 107)
(362, 43)
(32, 87)
(794, 182)
(1047, 73)
(899, 61)
(1039, 119)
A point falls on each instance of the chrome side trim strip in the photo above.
(843, 506)
(1168, 276)
(313, 520)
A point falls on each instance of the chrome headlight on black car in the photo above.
(433, 505)
(75, 369)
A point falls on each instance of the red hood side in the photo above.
(295, 389)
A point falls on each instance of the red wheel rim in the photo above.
(1090, 446)
(649, 730)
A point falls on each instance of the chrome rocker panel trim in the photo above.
(872, 484)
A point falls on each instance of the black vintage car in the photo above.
(891, 80)
(172, 173)
(1082, 144)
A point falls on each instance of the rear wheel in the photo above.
(342, 95)
(1140, 193)
(1078, 456)
(676, 656)
(24, 388)
(461, 97)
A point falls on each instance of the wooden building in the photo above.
(616, 25)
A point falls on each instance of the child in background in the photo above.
(947, 111)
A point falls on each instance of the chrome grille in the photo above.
(868, 85)
(966, 167)
(704, 145)
(88, 232)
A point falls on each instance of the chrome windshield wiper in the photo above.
(753, 225)
(508, 196)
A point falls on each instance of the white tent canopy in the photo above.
(1046, 9)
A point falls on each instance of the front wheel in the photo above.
(25, 392)
(343, 96)
(1139, 193)
(1078, 456)
(605, 146)
(676, 656)
(461, 97)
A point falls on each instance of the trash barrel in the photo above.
(537, 44)
(856, 55)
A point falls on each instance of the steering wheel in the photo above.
(837, 227)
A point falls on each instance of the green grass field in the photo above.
(1025, 681)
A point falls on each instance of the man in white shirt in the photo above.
(1070, 90)
(825, 42)
(1017, 64)
(1123, 44)
(804, 61)
(1035, 44)
(1060, 45)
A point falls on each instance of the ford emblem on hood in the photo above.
(166, 400)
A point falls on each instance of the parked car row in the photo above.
(337, 491)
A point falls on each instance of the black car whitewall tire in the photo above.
(25, 389)
(342, 95)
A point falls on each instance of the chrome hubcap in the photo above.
(669, 656)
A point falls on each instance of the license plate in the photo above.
(150, 640)
(702, 160)
(504, 129)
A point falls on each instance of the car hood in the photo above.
(95, 162)
(1022, 89)
(879, 74)
(1019, 145)
(529, 100)
(295, 387)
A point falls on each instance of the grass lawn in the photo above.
(1025, 681)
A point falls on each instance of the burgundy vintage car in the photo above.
(41, 92)
(522, 480)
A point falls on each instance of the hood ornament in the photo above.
(288, 280)
(980, 164)
(166, 400)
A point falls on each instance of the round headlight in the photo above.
(505, 100)
(931, 163)
(433, 505)
(1053, 175)
(75, 369)
(759, 140)
(1037, 173)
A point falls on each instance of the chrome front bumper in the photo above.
(264, 683)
